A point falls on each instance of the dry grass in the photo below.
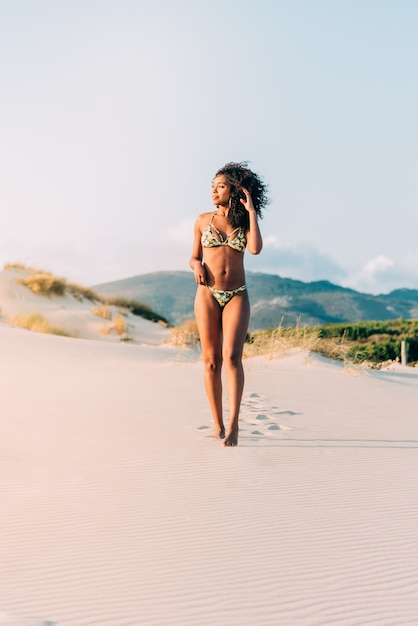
(184, 336)
(20, 267)
(119, 326)
(336, 349)
(80, 293)
(38, 324)
(102, 311)
(46, 284)
(272, 343)
(106, 328)
(136, 308)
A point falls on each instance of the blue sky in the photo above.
(114, 117)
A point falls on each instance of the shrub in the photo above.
(412, 349)
(376, 341)
(137, 308)
(364, 330)
(79, 292)
(375, 351)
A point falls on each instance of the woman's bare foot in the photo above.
(232, 438)
(220, 433)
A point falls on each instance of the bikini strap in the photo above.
(234, 231)
(219, 234)
(211, 225)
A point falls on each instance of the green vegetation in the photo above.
(370, 342)
(376, 341)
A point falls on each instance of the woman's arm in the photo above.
(196, 260)
(254, 239)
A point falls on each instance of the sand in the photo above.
(120, 509)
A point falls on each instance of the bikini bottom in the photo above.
(223, 297)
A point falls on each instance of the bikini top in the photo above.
(210, 240)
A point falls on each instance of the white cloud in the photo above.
(304, 261)
(380, 263)
(382, 274)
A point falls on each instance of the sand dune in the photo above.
(120, 509)
(73, 315)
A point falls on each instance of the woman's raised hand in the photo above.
(248, 203)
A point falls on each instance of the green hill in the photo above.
(272, 297)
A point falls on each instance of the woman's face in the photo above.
(221, 191)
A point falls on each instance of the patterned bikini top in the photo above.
(210, 240)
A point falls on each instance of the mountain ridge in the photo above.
(274, 299)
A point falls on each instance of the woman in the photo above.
(222, 307)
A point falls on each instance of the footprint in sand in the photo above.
(256, 410)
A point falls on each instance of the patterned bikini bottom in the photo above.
(223, 297)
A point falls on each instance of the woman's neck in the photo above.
(222, 210)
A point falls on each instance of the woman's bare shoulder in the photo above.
(204, 218)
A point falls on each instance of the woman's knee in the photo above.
(212, 363)
(233, 358)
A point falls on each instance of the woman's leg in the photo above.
(209, 322)
(235, 318)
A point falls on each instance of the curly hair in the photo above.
(238, 175)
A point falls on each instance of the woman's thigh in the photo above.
(235, 319)
(208, 316)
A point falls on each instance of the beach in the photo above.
(119, 508)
